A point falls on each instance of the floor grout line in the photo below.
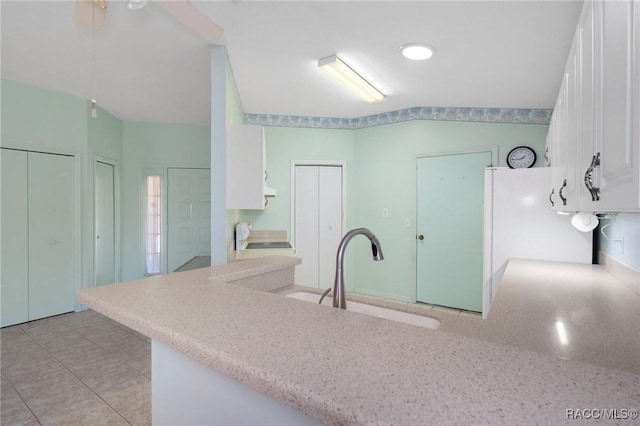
(67, 327)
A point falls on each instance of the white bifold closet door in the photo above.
(15, 245)
(38, 235)
(317, 223)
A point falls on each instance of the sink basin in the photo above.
(374, 311)
(269, 245)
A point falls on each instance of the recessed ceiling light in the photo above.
(136, 4)
(417, 51)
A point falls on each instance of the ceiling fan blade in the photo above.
(90, 14)
(184, 12)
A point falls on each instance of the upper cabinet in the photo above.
(246, 168)
(594, 136)
(617, 88)
(564, 142)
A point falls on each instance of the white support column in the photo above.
(219, 61)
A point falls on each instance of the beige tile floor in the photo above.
(79, 368)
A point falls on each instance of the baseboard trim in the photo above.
(383, 295)
(621, 272)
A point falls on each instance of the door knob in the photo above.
(421, 237)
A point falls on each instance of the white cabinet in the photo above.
(38, 235)
(594, 136)
(563, 137)
(618, 141)
(246, 167)
(587, 127)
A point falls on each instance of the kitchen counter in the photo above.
(276, 237)
(345, 368)
(598, 315)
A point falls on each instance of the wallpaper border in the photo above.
(482, 115)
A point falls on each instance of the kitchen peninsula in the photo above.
(341, 367)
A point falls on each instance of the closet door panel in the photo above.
(51, 234)
(306, 224)
(15, 251)
(329, 222)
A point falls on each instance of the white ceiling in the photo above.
(502, 54)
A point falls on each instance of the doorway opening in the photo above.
(106, 221)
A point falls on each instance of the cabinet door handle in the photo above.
(560, 193)
(546, 156)
(551, 197)
(588, 178)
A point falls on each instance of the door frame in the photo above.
(493, 150)
(163, 171)
(320, 163)
(116, 215)
(165, 212)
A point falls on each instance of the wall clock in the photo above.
(521, 157)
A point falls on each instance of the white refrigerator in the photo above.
(519, 223)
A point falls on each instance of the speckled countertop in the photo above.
(347, 368)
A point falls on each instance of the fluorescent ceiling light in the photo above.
(417, 51)
(347, 76)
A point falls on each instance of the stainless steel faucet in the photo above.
(339, 300)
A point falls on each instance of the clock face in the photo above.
(521, 157)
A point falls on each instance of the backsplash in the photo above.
(620, 239)
(483, 115)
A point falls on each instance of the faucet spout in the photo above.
(339, 300)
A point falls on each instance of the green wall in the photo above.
(104, 141)
(39, 119)
(285, 145)
(380, 165)
(380, 174)
(152, 147)
(386, 178)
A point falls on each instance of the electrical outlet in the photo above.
(407, 223)
(385, 212)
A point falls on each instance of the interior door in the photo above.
(105, 249)
(306, 224)
(189, 215)
(318, 229)
(51, 234)
(14, 281)
(329, 223)
(450, 192)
